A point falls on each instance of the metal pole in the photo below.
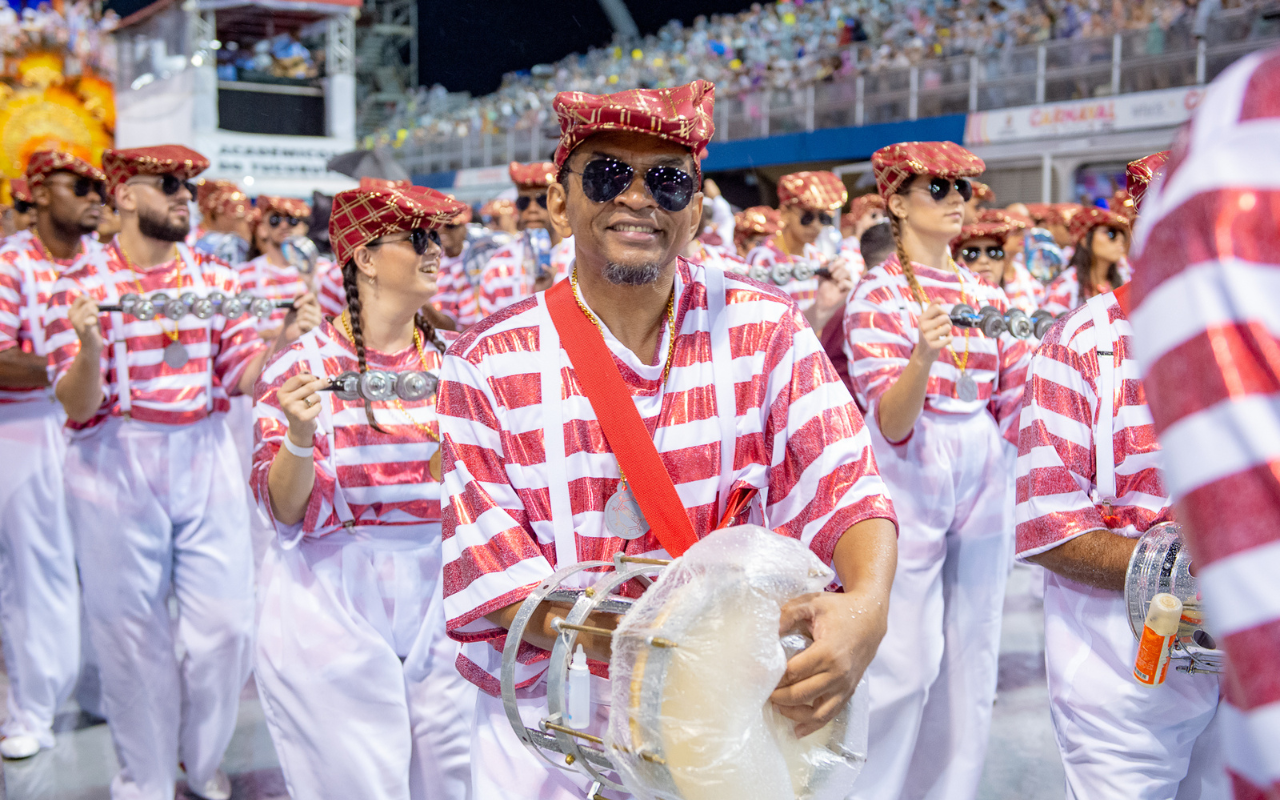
(764, 115)
(860, 104)
(1201, 53)
(809, 115)
(488, 149)
(1046, 178)
(1041, 57)
(913, 95)
(1117, 45)
(722, 128)
(973, 83)
(511, 145)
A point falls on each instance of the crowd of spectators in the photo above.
(792, 43)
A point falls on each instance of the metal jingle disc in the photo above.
(246, 298)
(129, 302)
(758, 272)
(804, 270)
(261, 307)
(175, 355)
(966, 388)
(232, 308)
(347, 386)
(622, 515)
(202, 308)
(189, 299)
(144, 310)
(415, 385)
(175, 309)
(780, 274)
(377, 385)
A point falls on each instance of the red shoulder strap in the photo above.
(623, 429)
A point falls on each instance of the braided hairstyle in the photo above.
(895, 225)
(350, 286)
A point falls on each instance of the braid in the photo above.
(428, 332)
(357, 335)
(895, 224)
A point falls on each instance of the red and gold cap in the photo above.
(373, 184)
(1139, 175)
(680, 114)
(18, 188)
(895, 164)
(1003, 217)
(360, 215)
(813, 191)
(288, 206)
(207, 188)
(498, 208)
(165, 159)
(1091, 217)
(756, 221)
(999, 230)
(1122, 203)
(983, 193)
(228, 201)
(861, 206)
(464, 216)
(46, 162)
(536, 175)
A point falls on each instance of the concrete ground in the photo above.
(1022, 762)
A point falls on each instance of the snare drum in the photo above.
(1161, 563)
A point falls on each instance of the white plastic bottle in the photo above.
(579, 691)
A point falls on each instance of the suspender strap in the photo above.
(1108, 366)
(316, 363)
(623, 429)
(197, 281)
(726, 398)
(553, 444)
(119, 350)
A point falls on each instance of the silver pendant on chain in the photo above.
(622, 515)
(966, 388)
(175, 355)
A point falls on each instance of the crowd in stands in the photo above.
(793, 43)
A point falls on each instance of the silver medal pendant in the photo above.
(622, 515)
(175, 355)
(966, 388)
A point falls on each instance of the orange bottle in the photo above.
(1158, 633)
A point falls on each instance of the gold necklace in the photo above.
(923, 299)
(422, 356)
(133, 270)
(671, 321)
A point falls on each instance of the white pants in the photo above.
(503, 768)
(240, 421)
(39, 589)
(358, 680)
(933, 680)
(1117, 737)
(160, 510)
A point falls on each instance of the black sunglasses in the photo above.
(170, 184)
(994, 252)
(81, 186)
(939, 188)
(418, 237)
(606, 178)
(807, 218)
(523, 202)
(1113, 233)
(276, 219)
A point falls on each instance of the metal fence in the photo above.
(1068, 69)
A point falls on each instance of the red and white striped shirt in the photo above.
(507, 279)
(881, 326)
(455, 297)
(770, 252)
(1207, 322)
(851, 252)
(383, 477)
(27, 276)
(219, 350)
(273, 282)
(1057, 484)
(1024, 291)
(1063, 292)
(330, 291)
(799, 441)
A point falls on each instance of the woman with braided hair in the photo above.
(937, 398)
(358, 681)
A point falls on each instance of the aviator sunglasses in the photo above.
(523, 202)
(605, 178)
(419, 238)
(170, 184)
(994, 252)
(939, 188)
(807, 218)
(275, 219)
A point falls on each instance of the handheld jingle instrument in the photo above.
(300, 253)
(1041, 321)
(382, 385)
(172, 307)
(1161, 564)
(694, 661)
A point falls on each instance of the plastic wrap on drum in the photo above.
(694, 662)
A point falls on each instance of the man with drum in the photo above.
(807, 203)
(1089, 484)
(532, 478)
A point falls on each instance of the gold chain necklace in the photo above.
(923, 299)
(133, 270)
(422, 356)
(671, 321)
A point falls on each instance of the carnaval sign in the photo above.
(54, 89)
(1138, 111)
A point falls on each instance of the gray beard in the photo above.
(623, 275)
(158, 227)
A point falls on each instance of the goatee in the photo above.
(629, 275)
(159, 227)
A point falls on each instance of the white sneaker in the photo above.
(21, 746)
(218, 787)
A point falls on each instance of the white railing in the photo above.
(1066, 69)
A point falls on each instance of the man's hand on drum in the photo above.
(846, 628)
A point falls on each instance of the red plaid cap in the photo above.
(360, 215)
(46, 162)
(382, 183)
(498, 208)
(537, 175)
(1122, 203)
(1039, 211)
(813, 191)
(681, 114)
(165, 159)
(18, 188)
(860, 206)
(207, 188)
(1091, 217)
(894, 164)
(1002, 217)
(464, 216)
(1139, 175)
(756, 221)
(998, 230)
(286, 206)
(983, 192)
(230, 202)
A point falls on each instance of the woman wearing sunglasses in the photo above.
(269, 274)
(983, 248)
(1097, 265)
(937, 398)
(358, 680)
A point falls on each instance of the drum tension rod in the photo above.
(657, 562)
(560, 626)
(596, 740)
